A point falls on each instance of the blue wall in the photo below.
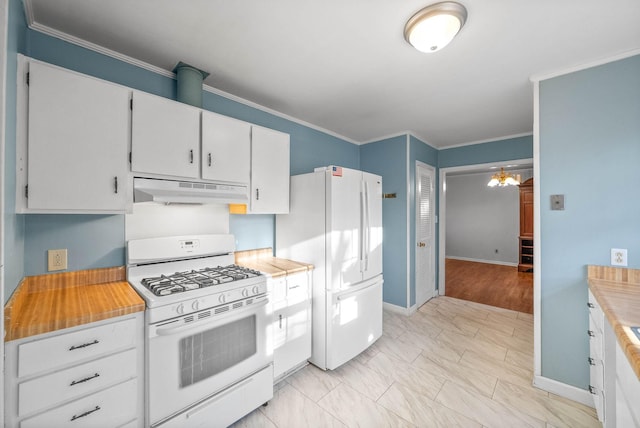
(494, 151)
(590, 152)
(388, 158)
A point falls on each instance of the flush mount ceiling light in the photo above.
(433, 27)
(504, 179)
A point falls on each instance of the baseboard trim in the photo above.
(491, 262)
(564, 390)
(398, 309)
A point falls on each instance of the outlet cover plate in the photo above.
(57, 259)
(618, 257)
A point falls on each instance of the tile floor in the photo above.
(452, 363)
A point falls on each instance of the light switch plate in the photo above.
(57, 259)
(618, 257)
(557, 202)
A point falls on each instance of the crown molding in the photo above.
(488, 140)
(584, 66)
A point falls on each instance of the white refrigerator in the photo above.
(335, 223)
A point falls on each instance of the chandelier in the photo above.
(504, 179)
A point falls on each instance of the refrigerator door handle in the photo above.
(367, 228)
(361, 235)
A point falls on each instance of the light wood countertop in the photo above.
(262, 259)
(46, 303)
(617, 291)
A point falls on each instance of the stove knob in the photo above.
(222, 298)
(180, 309)
(245, 292)
(195, 305)
(256, 289)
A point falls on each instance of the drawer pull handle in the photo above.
(591, 361)
(592, 390)
(190, 156)
(209, 159)
(75, 382)
(591, 333)
(87, 413)
(84, 345)
(591, 305)
(280, 318)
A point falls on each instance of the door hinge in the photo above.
(28, 78)
(26, 191)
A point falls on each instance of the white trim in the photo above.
(544, 76)
(386, 137)
(4, 24)
(488, 140)
(161, 71)
(398, 309)
(490, 262)
(537, 272)
(442, 213)
(562, 389)
(408, 222)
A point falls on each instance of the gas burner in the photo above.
(179, 282)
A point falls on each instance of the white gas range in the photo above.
(208, 339)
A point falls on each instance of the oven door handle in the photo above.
(168, 331)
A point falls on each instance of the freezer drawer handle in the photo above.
(75, 382)
(82, 415)
(84, 345)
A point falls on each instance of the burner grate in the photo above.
(179, 282)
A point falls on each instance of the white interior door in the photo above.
(425, 233)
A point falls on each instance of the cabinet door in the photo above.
(78, 131)
(165, 137)
(269, 171)
(226, 148)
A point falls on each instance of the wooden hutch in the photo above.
(525, 256)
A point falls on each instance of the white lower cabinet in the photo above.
(86, 376)
(627, 392)
(291, 297)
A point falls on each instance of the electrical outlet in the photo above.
(57, 259)
(618, 257)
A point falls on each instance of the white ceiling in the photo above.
(344, 66)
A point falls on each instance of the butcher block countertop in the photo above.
(262, 259)
(617, 291)
(46, 303)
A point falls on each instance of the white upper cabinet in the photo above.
(226, 148)
(269, 171)
(165, 137)
(77, 147)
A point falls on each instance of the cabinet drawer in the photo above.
(278, 292)
(109, 408)
(71, 347)
(75, 382)
(297, 289)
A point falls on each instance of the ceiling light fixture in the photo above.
(433, 27)
(504, 179)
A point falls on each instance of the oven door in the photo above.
(188, 363)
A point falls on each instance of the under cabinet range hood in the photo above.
(187, 192)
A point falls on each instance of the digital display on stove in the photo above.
(189, 245)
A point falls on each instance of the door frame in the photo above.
(433, 287)
(442, 211)
(4, 18)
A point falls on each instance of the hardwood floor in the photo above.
(494, 285)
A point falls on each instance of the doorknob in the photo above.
(421, 244)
